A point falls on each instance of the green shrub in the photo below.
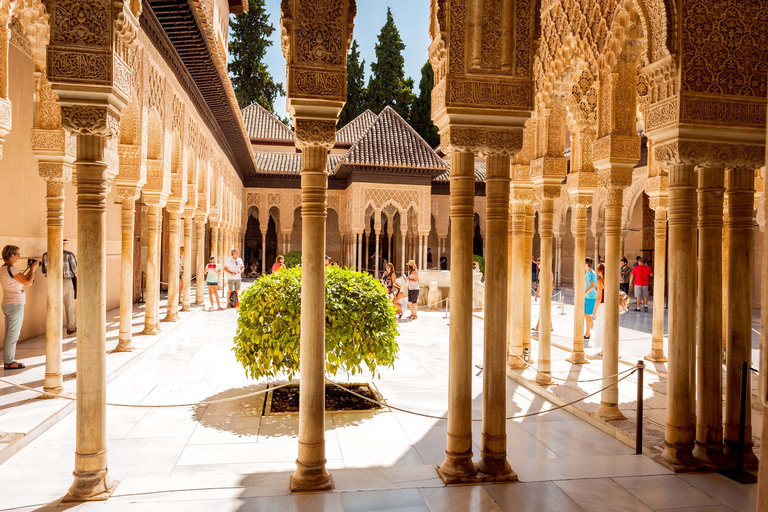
(292, 259)
(360, 326)
(481, 260)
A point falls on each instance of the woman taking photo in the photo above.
(389, 278)
(13, 282)
(413, 289)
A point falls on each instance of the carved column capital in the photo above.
(102, 121)
(315, 133)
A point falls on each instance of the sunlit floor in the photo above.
(228, 457)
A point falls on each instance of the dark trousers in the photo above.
(624, 287)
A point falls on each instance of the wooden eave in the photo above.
(238, 6)
(176, 30)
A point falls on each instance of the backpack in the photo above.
(233, 299)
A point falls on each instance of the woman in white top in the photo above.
(413, 289)
(13, 282)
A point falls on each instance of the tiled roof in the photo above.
(264, 126)
(286, 163)
(391, 142)
(479, 173)
(356, 128)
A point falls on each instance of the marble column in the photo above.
(519, 286)
(609, 398)
(659, 284)
(544, 363)
(201, 260)
(762, 486)
(92, 480)
(152, 300)
(709, 368)
(493, 445)
(129, 196)
(185, 302)
(425, 246)
(402, 251)
(680, 426)
(264, 250)
(377, 254)
(53, 380)
(578, 355)
(458, 464)
(214, 247)
(310, 465)
(530, 212)
(359, 240)
(172, 305)
(422, 256)
(741, 234)
(558, 260)
(367, 244)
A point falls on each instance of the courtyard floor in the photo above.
(231, 457)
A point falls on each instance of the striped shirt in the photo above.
(69, 266)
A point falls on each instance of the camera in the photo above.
(31, 261)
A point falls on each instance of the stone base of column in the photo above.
(151, 330)
(493, 466)
(124, 346)
(608, 412)
(311, 477)
(96, 486)
(543, 379)
(185, 308)
(52, 389)
(678, 458)
(656, 356)
(578, 358)
(750, 459)
(710, 454)
(170, 319)
(515, 362)
(458, 467)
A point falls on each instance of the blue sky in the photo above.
(411, 18)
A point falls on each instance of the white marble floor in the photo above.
(228, 457)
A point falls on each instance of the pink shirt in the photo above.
(13, 291)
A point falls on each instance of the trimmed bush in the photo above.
(292, 259)
(360, 326)
(481, 260)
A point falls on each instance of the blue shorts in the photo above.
(589, 306)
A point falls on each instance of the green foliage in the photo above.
(356, 91)
(249, 39)
(481, 260)
(292, 259)
(388, 85)
(360, 326)
(421, 113)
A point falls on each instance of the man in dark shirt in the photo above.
(429, 258)
(443, 262)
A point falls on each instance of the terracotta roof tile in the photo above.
(356, 128)
(479, 173)
(264, 126)
(286, 163)
(391, 142)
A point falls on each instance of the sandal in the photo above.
(646, 309)
(18, 366)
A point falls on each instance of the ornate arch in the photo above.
(631, 196)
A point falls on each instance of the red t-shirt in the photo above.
(642, 274)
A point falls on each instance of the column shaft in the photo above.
(659, 283)
(377, 253)
(152, 301)
(709, 375)
(741, 234)
(201, 259)
(493, 447)
(172, 304)
(402, 252)
(680, 427)
(53, 381)
(579, 283)
(609, 399)
(458, 454)
(126, 276)
(530, 211)
(310, 464)
(518, 287)
(546, 216)
(185, 303)
(92, 481)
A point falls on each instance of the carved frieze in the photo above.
(482, 140)
(317, 83)
(509, 95)
(616, 147)
(702, 152)
(90, 120)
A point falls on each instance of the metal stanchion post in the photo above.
(639, 431)
(738, 474)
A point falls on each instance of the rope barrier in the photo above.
(516, 417)
(574, 381)
(155, 406)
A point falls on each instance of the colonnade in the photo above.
(403, 243)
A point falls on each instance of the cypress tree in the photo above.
(388, 85)
(421, 114)
(356, 91)
(249, 40)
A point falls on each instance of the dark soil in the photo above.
(336, 399)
